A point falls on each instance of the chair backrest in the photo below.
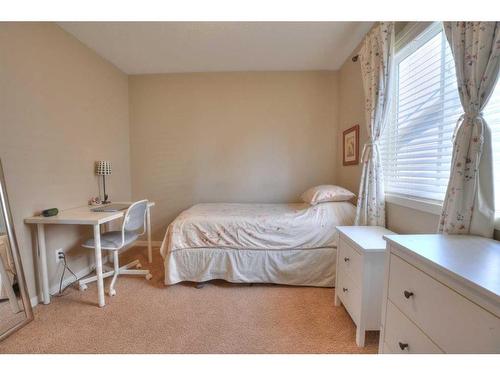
(135, 217)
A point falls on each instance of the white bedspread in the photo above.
(257, 226)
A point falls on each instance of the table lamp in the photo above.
(103, 168)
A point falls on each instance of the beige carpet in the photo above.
(149, 317)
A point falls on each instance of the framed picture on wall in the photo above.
(351, 146)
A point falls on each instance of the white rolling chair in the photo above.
(133, 221)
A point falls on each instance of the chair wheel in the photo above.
(138, 266)
(83, 287)
(149, 276)
(112, 292)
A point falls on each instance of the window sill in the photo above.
(430, 206)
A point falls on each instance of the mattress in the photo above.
(257, 226)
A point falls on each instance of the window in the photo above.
(417, 142)
(492, 115)
(416, 146)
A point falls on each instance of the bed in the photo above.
(292, 244)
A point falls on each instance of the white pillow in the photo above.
(326, 193)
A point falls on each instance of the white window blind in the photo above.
(492, 116)
(416, 145)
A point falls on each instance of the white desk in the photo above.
(81, 216)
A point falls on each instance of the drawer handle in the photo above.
(407, 294)
(403, 346)
(346, 259)
(345, 289)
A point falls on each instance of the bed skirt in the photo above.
(309, 267)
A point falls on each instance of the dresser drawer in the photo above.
(454, 323)
(350, 261)
(350, 295)
(403, 336)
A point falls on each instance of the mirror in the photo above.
(15, 307)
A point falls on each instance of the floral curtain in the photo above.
(469, 206)
(376, 57)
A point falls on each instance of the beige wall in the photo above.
(399, 219)
(407, 220)
(232, 137)
(351, 102)
(61, 108)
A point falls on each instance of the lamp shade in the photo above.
(102, 168)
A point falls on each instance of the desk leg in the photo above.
(42, 263)
(148, 225)
(98, 265)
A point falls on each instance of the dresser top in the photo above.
(366, 238)
(471, 259)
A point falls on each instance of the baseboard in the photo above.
(70, 278)
(82, 272)
(145, 243)
(53, 289)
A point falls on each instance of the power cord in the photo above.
(66, 267)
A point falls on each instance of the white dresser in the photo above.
(441, 295)
(360, 275)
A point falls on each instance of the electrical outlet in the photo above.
(59, 255)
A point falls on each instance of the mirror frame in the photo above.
(9, 226)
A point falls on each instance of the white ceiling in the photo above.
(174, 47)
